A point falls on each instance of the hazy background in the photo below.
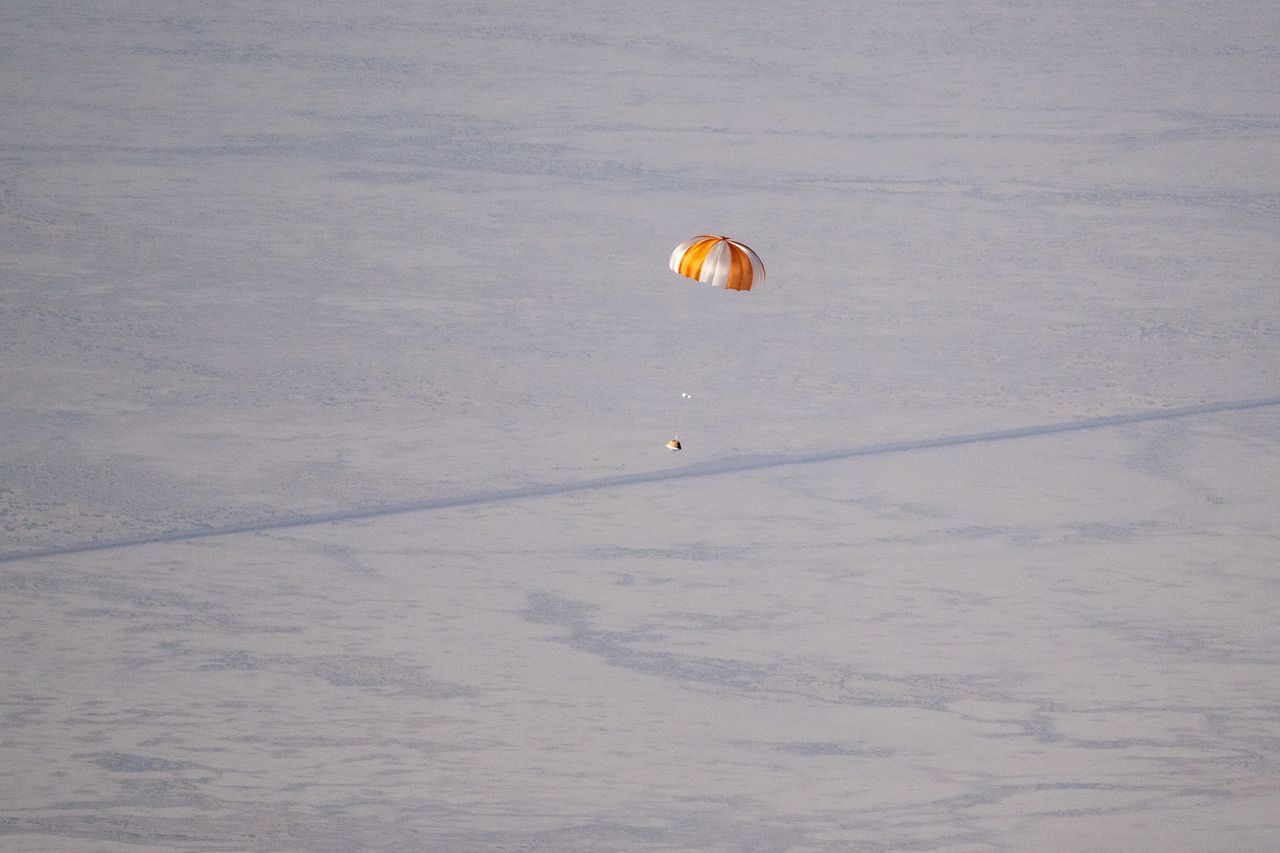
(267, 265)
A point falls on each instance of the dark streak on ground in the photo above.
(711, 468)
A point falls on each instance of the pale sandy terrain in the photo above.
(338, 351)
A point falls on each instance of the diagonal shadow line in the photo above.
(710, 468)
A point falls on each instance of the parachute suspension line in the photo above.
(684, 400)
(674, 444)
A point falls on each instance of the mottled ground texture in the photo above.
(338, 352)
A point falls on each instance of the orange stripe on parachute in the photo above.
(739, 269)
(691, 263)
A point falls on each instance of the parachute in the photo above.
(718, 261)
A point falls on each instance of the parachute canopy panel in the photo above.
(719, 262)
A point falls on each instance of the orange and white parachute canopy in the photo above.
(718, 261)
